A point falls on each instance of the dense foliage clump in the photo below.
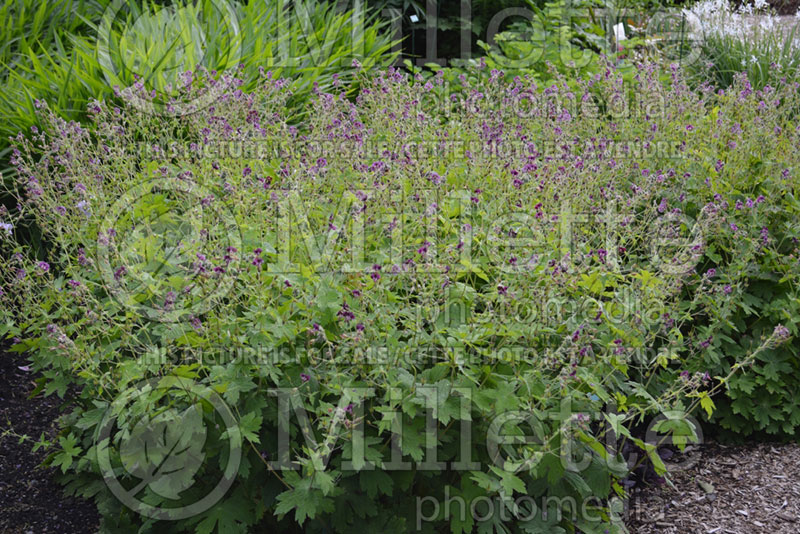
(425, 294)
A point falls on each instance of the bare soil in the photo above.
(31, 502)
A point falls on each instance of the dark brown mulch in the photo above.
(31, 502)
(750, 489)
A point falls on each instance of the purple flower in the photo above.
(82, 259)
(345, 313)
(304, 377)
(781, 333)
(435, 178)
(43, 266)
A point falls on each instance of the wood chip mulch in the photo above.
(749, 489)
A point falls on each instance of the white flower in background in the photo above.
(748, 23)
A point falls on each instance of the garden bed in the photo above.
(329, 297)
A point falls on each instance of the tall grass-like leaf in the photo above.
(734, 41)
(28, 25)
(310, 41)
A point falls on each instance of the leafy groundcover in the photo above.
(420, 309)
